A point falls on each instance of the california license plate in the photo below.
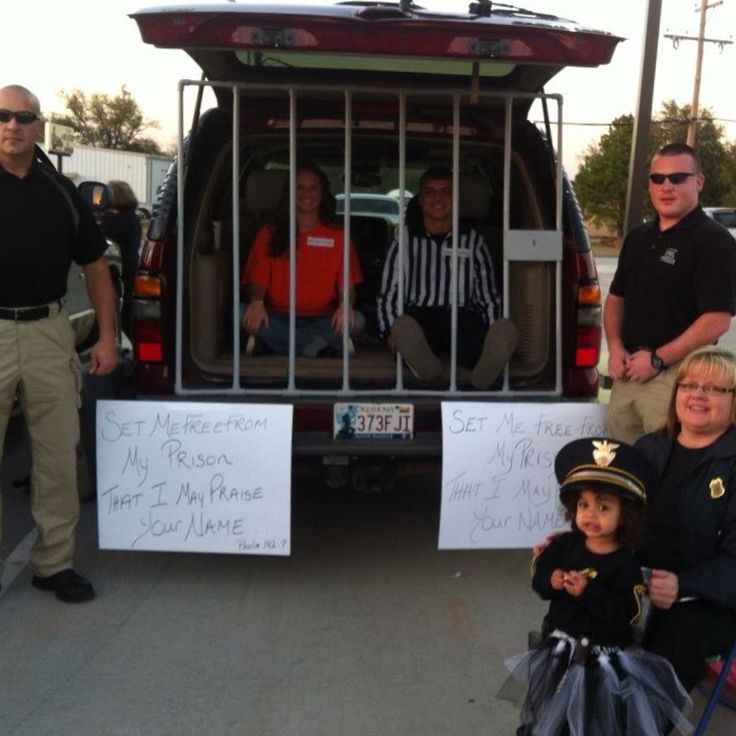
(374, 421)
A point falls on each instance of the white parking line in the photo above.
(17, 560)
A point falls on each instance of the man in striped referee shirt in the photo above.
(422, 332)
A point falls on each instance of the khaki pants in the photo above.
(635, 409)
(38, 360)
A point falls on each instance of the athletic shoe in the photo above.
(498, 347)
(410, 341)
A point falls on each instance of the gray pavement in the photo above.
(365, 629)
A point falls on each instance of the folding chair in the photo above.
(716, 693)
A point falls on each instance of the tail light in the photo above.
(588, 330)
(146, 309)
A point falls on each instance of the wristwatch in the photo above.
(657, 363)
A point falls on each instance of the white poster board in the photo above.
(194, 477)
(498, 482)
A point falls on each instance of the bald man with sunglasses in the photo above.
(44, 224)
(674, 290)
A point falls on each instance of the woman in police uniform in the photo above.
(690, 539)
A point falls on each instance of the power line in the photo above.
(613, 123)
(701, 41)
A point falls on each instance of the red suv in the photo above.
(376, 93)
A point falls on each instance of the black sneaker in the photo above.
(68, 586)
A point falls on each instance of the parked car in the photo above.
(726, 216)
(383, 206)
(440, 89)
(78, 305)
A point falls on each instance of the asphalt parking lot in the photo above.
(366, 628)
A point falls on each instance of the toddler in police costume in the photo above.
(586, 678)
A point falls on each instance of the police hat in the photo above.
(603, 464)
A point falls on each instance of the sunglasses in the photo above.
(24, 117)
(677, 178)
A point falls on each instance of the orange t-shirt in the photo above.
(319, 262)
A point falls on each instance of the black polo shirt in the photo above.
(668, 279)
(40, 235)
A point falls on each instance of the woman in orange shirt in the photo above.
(319, 274)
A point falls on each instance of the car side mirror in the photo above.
(98, 196)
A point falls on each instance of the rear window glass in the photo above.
(727, 219)
(374, 63)
(381, 206)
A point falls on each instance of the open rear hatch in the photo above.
(495, 45)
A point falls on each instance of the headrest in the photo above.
(264, 190)
(475, 196)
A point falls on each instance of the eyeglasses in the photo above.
(24, 117)
(677, 178)
(708, 388)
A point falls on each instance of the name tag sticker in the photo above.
(320, 242)
(461, 252)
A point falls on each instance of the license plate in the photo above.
(374, 421)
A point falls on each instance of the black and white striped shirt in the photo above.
(428, 276)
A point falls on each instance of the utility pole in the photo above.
(640, 134)
(702, 40)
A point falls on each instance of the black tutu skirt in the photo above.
(602, 691)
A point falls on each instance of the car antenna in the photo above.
(481, 8)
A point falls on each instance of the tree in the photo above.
(671, 127)
(602, 179)
(108, 122)
(730, 198)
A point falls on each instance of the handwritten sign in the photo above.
(183, 476)
(498, 481)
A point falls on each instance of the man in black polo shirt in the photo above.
(44, 224)
(673, 292)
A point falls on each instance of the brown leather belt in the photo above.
(27, 314)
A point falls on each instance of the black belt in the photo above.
(26, 314)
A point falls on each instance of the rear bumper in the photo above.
(314, 444)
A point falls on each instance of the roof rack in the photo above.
(481, 8)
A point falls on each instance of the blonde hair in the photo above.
(717, 364)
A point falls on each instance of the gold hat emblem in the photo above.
(604, 452)
(717, 489)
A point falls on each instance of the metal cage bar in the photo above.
(457, 98)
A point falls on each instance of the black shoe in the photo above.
(328, 352)
(68, 586)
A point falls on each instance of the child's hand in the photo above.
(574, 582)
(557, 580)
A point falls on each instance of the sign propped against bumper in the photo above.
(498, 478)
(194, 477)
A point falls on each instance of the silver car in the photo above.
(726, 216)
